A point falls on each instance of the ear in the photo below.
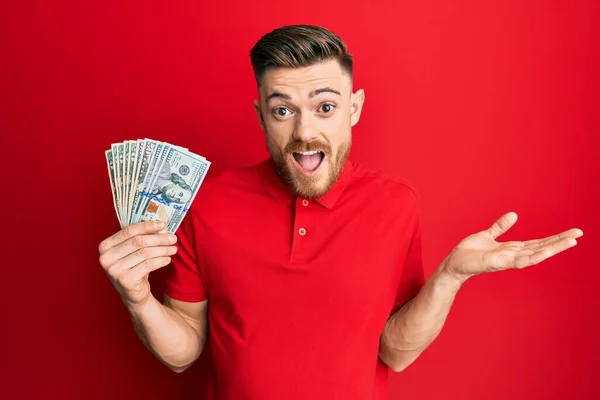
(259, 115)
(357, 100)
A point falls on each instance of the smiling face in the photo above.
(307, 115)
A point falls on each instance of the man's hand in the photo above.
(131, 254)
(416, 325)
(480, 252)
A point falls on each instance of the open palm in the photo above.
(480, 252)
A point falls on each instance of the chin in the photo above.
(309, 179)
(310, 186)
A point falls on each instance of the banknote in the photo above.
(137, 161)
(131, 161)
(148, 154)
(111, 175)
(152, 168)
(118, 182)
(174, 187)
(153, 180)
(125, 167)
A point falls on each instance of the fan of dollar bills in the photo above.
(153, 180)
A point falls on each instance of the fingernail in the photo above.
(172, 238)
(160, 224)
(173, 249)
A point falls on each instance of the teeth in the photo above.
(308, 153)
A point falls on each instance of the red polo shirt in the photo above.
(299, 291)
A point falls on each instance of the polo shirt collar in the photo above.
(279, 191)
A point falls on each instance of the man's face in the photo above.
(307, 115)
(176, 194)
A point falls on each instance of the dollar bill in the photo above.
(125, 177)
(131, 153)
(148, 154)
(152, 180)
(111, 176)
(152, 167)
(174, 187)
(117, 159)
(137, 161)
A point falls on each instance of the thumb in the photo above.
(503, 224)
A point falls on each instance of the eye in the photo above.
(327, 108)
(180, 194)
(281, 111)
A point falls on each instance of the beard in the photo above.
(309, 187)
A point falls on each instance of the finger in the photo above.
(128, 232)
(559, 245)
(131, 278)
(535, 258)
(543, 243)
(525, 260)
(513, 244)
(133, 244)
(140, 271)
(539, 243)
(503, 224)
(516, 246)
(139, 256)
(525, 252)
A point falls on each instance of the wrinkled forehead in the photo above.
(299, 83)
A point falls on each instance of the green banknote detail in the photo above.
(174, 187)
(111, 175)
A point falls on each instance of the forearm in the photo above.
(166, 334)
(415, 326)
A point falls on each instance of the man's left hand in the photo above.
(480, 253)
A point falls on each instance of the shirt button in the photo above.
(304, 202)
(302, 231)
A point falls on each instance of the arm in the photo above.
(411, 329)
(175, 332)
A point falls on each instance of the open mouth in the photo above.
(308, 161)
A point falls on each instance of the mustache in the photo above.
(297, 145)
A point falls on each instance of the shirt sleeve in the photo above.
(412, 277)
(183, 278)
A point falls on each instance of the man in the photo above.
(307, 267)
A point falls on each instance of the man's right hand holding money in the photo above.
(175, 331)
(131, 254)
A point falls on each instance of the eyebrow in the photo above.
(311, 95)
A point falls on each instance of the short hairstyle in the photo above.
(295, 46)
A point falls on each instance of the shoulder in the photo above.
(226, 185)
(395, 187)
(233, 178)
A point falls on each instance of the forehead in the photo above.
(303, 80)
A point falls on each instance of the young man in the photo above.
(307, 267)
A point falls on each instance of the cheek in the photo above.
(279, 133)
(338, 124)
(337, 130)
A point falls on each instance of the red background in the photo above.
(486, 106)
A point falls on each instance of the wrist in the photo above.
(448, 275)
(140, 308)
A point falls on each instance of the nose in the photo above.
(305, 129)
